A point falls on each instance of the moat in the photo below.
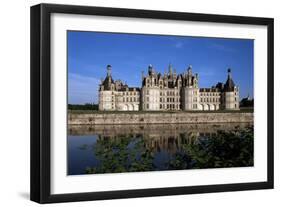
(95, 149)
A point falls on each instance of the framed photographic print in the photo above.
(133, 103)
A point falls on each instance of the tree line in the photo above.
(87, 106)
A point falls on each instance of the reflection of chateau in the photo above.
(167, 92)
(157, 137)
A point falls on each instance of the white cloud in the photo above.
(222, 48)
(82, 89)
(179, 44)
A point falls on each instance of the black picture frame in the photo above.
(41, 98)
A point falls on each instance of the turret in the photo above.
(229, 73)
(231, 93)
(170, 69)
(108, 68)
(108, 81)
(189, 70)
(150, 69)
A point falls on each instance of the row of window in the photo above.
(165, 99)
(169, 93)
(169, 99)
(167, 106)
(209, 99)
(160, 86)
(129, 93)
(209, 94)
(160, 82)
(131, 99)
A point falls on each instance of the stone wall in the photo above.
(159, 118)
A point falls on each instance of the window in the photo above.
(160, 106)
(147, 99)
(147, 106)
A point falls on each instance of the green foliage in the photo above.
(83, 107)
(130, 154)
(226, 149)
(121, 155)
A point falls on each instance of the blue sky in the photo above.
(129, 54)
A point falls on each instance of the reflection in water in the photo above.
(135, 148)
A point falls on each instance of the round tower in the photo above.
(231, 93)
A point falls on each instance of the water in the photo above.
(137, 148)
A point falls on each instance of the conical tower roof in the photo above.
(229, 84)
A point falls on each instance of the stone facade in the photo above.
(167, 92)
(116, 96)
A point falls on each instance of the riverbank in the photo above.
(99, 118)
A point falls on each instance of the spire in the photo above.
(150, 69)
(229, 73)
(189, 69)
(108, 68)
(170, 69)
(229, 84)
(142, 74)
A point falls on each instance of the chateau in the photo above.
(167, 92)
